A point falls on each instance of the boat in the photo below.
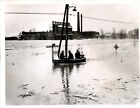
(69, 60)
(65, 37)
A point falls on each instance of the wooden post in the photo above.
(78, 22)
(81, 23)
(52, 52)
(62, 32)
(66, 42)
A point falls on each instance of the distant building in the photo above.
(33, 35)
(85, 34)
(11, 38)
(134, 34)
(55, 33)
(57, 29)
(51, 35)
(108, 35)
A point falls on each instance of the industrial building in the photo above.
(33, 35)
(55, 33)
(57, 29)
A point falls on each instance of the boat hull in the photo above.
(69, 61)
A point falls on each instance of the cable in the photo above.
(115, 21)
(33, 13)
(109, 20)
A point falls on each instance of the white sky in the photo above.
(127, 12)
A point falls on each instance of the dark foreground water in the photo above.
(108, 77)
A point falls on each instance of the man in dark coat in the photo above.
(70, 55)
(77, 54)
(62, 55)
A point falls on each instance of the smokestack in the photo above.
(81, 23)
(78, 22)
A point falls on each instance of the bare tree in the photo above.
(123, 34)
(113, 33)
(136, 33)
(102, 33)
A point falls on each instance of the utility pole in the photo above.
(81, 23)
(78, 22)
(65, 27)
(66, 42)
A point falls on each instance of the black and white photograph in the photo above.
(72, 53)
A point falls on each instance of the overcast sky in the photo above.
(120, 12)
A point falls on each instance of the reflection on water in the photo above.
(65, 72)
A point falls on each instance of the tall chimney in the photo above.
(81, 23)
(78, 22)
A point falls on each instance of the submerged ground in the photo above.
(108, 77)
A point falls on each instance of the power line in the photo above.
(93, 18)
(33, 13)
(115, 21)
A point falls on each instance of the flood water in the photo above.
(107, 77)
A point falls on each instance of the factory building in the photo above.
(55, 33)
(57, 29)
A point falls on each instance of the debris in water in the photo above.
(23, 85)
(94, 99)
(82, 97)
(36, 54)
(95, 95)
(27, 94)
(119, 79)
(88, 85)
(54, 93)
(135, 98)
(122, 88)
(13, 63)
(90, 93)
(108, 88)
(126, 82)
(134, 80)
(42, 87)
(25, 88)
(95, 79)
(8, 49)
(63, 91)
(81, 86)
